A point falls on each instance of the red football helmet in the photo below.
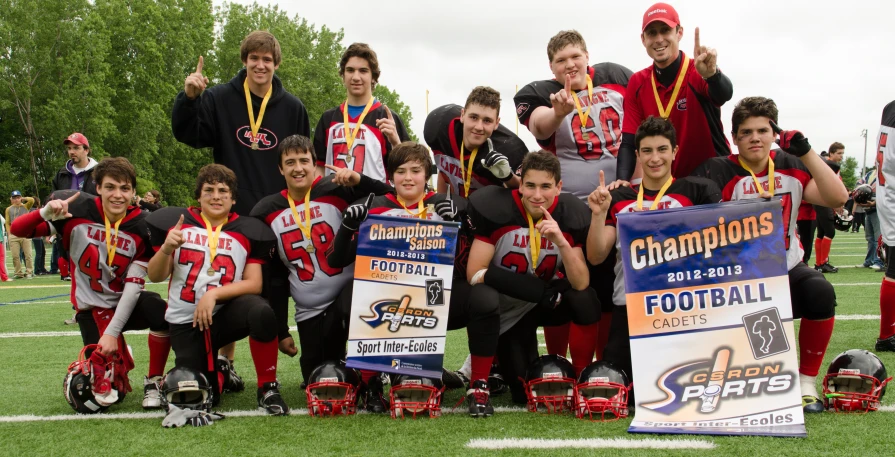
(550, 382)
(602, 393)
(332, 390)
(855, 382)
(412, 395)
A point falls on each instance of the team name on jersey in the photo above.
(288, 220)
(522, 241)
(449, 165)
(100, 235)
(749, 185)
(600, 96)
(199, 239)
(339, 133)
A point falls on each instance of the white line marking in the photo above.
(857, 284)
(589, 443)
(857, 317)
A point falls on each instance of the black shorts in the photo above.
(602, 280)
(148, 313)
(812, 296)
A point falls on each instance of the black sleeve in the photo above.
(627, 158)
(369, 185)
(320, 140)
(402, 130)
(529, 98)
(192, 122)
(525, 287)
(720, 88)
(304, 124)
(343, 251)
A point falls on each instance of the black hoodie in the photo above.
(218, 119)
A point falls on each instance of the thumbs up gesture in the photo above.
(195, 83)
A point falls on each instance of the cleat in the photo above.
(232, 381)
(826, 268)
(886, 344)
(66, 278)
(453, 379)
(479, 398)
(812, 404)
(71, 321)
(374, 399)
(270, 400)
(152, 399)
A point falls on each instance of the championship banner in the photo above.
(712, 341)
(402, 291)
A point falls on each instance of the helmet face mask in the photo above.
(332, 390)
(550, 385)
(602, 393)
(78, 384)
(855, 382)
(186, 388)
(415, 396)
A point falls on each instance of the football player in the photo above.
(305, 219)
(688, 90)
(824, 217)
(578, 116)
(459, 136)
(359, 133)
(793, 174)
(108, 241)
(409, 168)
(523, 239)
(656, 147)
(214, 258)
(885, 163)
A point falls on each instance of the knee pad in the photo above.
(584, 305)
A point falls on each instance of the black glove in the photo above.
(791, 141)
(447, 209)
(356, 214)
(497, 163)
(553, 292)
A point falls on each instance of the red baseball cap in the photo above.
(661, 12)
(77, 138)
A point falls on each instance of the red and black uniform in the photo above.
(689, 191)
(444, 135)
(519, 287)
(805, 226)
(242, 241)
(812, 296)
(695, 113)
(826, 230)
(322, 293)
(97, 286)
(370, 148)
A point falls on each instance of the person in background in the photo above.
(150, 202)
(40, 251)
(3, 276)
(20, 207)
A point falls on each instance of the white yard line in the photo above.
(589, 443)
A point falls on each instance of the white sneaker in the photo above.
(71, 321)
(152, 398)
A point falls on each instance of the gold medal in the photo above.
(255, 126)
(310, 248)
(303, 225)
(584, 135)
(351, 134)
(210, 271)
(665, 112)
(348, 159)
(111, 240)
(255, 145)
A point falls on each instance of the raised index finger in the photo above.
(696, 39)
(546, 213)
(568, 84)
(179, 223)
(199, 66)
(388, 113)
(72, 198)
(776, 128)
(332, 167)
(602, 179)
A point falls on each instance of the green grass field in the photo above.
(34, 417)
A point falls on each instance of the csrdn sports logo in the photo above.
(397, 313)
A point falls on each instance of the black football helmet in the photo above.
(842, 222)
(332, 390)
(863, 194)
(602, 393)
(77, 387)
(412, 395)
(882, 251)
(550, 382)
(186, 388)
(855, 382)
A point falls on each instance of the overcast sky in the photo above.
(829, 68)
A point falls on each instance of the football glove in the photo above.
(447, 209)
(497, 163)
(791, 141)
(356, 214)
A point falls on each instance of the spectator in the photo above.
(76, 174)
(871, 234)
(20, 207)
(150, 202)
(3, 276)
(40, 252)
(858, 213)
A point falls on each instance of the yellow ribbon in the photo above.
(255, 125)
(421, 212)
(111, 239)
(467, 176)
(755, 180)
(534, 241)
(213, 236)
(349, 138)
(582, 115)
(301, 225)
(666, 112)
(658, 196)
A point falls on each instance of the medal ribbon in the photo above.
(349, 138)
(420, 214)
(111, 239)
(306, 231)
(666, 111)
(467, 176)
(534, 241)
(255, 125)
(755, 180)
(213, 236)
(658, 196)
(582, 115)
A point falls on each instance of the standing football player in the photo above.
(578, 116)
(213, 257)
(885, 204)
(824, 217)
(656, 146)
(688, 90)
(305, 219)
(472, 150)
(409, 168)
(792, 174)
(108, 241)
(359, 133)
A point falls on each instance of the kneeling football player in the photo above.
(523, 239)
(108, 241)
(409, 168)
(793, 173)
(214, 258)
(655, 146)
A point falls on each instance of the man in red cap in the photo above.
(687, 90)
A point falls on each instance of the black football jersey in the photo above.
(444, 134)
(583, 150)
(689, 191)
(369, 149)
(790, 179)
(243, 240)
(96, 283)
